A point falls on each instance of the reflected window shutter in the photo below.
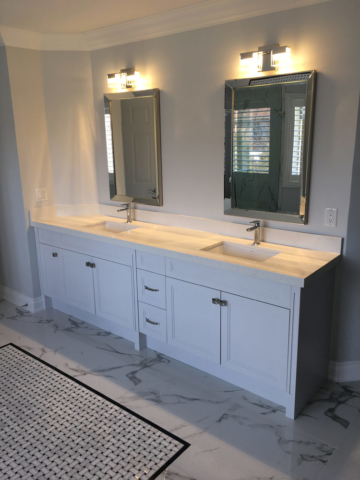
(251, 140)
(109, 143)
(298, 143)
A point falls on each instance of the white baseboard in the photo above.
(33, 304)
(344, 371)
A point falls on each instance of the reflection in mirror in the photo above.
(268, 125)
(132, 127)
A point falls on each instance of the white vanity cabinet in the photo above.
(101, 286)
(269, 337)
(246, 335)
(68, 277)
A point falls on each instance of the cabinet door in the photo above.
(114, 292)
(79, 285)
(52, 271)
(193, 321)
(255, 339)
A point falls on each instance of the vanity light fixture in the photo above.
(280, 56)
(268, 57)
(113, 80)
(127, 78)
(249, 61)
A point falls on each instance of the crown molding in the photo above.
(15, 37)
(201, 15)
(192, 17)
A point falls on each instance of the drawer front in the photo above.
(244, 285)
(152, 321)
(150, 262)
(99, 249)
(151, 288)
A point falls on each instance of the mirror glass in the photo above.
(132, 127)
(268, 130)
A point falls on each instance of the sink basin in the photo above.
(253, 253)
(113, 227)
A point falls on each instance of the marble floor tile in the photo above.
(234, 435)
(350, 442)
(341, 466)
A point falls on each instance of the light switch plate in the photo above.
(330, 217)
(41, 194)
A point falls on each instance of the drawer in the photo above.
(150, 262)
(151, 288)
(152, 321)
(230, 282)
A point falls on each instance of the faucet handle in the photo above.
(256, 222)
(126, 205)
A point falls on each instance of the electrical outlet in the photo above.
(41, 194)
(330, 217)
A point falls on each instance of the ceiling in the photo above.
(77, 16)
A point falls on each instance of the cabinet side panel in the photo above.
(316, 306)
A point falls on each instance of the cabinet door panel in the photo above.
(193, 321)
(79, 285)
(114, 295)
(52, 271)
(255, 339)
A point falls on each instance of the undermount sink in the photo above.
(253, 253)
(113, 227)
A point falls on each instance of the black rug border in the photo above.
(185, 444)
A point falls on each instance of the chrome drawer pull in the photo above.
(151, 289)
(152, 323)
(217, 301)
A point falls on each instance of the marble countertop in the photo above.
(294, 266)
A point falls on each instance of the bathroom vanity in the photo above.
(256, 316)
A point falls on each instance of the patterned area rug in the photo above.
(53, 426)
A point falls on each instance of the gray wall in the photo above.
(69, 104)
(190, 69)
(346, 336)
(28, 110)
(15, 269)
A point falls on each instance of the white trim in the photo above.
(192, 17)
(15, 37)
(344, 371)
(34, 304)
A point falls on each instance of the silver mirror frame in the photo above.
(230, 85)
(155, 94)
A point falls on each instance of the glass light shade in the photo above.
(132, 79)
(280, 56)
(123, 80)
(249, 61)
(113, 80)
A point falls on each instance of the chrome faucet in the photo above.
(128, 211)
(256, 229)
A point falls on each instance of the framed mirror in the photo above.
(268, 143)
(133, 144)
